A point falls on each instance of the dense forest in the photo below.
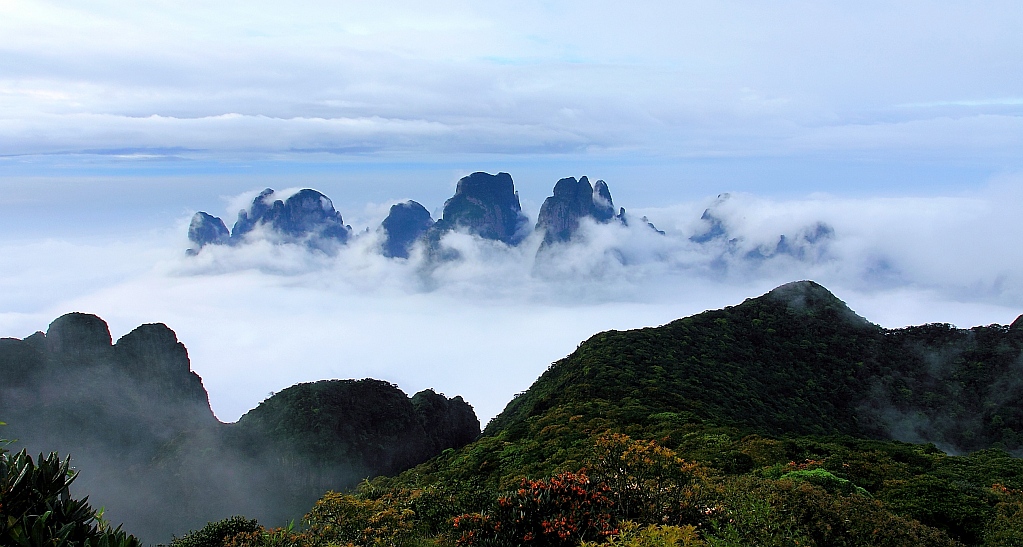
(785, 420)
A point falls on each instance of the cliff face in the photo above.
(405, 224)
(138, 419)
(488, 206)
(306, 215)
(572, 201)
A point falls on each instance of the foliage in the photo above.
(631, 534)
(37, 510)
(346, 519)
(215, 534)
(1006, 528)
(562, 510)
(649, 482)
(784, 512)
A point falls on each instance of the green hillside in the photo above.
(798, 361)
(785, 420)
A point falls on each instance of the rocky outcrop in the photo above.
(152, 355)
(306, 216)
(713, 226)
(405, 224)
(572, 201)
(138, 419)
(808, 243)
(206, 229)
(80, 337)
(488, 206)
(449, 423)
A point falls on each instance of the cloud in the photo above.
(672, 79)
(261, 316)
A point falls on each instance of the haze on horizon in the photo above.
(899, 125)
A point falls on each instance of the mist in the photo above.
(261, 316)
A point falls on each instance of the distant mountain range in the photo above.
(486, 206)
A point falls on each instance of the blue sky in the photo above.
(898, 124)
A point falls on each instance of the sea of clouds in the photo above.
(261, 316)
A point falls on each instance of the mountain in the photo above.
(306, 216)
(135, 417)
(485, 205)
(798, 361)
(405, 224)
(773, 422)
(206, 229)
(806, 243)
(572, 201)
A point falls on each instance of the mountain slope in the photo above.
(798, 361)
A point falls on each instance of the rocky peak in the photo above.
(78, 336)
(306, 215)
(405, 223)
(714, 227)
(572, 201)
(488, 206)
(206, 229)
(155, 347)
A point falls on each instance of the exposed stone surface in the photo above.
(488, 206)
(306, 216)
(572, 201)
(405, 223)
(714, 226)
(78, 336)
(206, 229)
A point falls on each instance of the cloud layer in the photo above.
(670, 78)
(261, 316)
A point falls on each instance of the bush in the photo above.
(632, 535)
(36, 507)
(342, 519)
(650, 483)
(562, 510)
(217, 534)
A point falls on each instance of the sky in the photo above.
(899, 126)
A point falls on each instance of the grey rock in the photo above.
(206, 229)
(485, 205)
(307, 216)
(572, 201)
(405, 223)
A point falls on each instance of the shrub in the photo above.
(633, 535)
(650, 483)
(36, 507)
(346, 519)
(562, 510)
(217, 534)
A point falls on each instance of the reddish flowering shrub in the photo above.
(562, 510)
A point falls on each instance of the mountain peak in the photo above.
(811, 298)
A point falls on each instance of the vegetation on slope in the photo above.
(767, 423)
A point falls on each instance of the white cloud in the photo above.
(666, 78)
(259, 317)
